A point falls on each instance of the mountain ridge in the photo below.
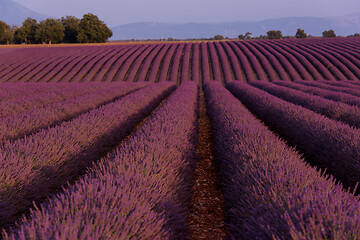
(14, 13)
(342, 25)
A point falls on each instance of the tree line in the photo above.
(300, 33)
(69, 29)
(276, 34)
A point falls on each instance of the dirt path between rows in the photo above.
(206, 219)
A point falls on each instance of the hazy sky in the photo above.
(180, 11)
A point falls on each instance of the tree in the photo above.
(26, 33)
(50, 31)
(274, 34)
(92, 30)
(328, 34)
(218, 37)
(71, 25)
(6, 33)
(300, 33)
(263, 37)
(357, 35)
(246, 36)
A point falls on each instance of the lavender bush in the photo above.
(9, 91)
(317, 84)
(156, 63)
(175, 67)
(289, 68)
(35, 166)
(205, 62)
(77, 67)
(346, 84)
(185, 64)
(255, 63)
(331, 109)
(326, 62)
(215, 64)
(36, 69)
(60, 66)
(225, 66)
(135, 66)
(108, 64)
(88, 69)
(268, 67)
(62, 93)
(140, 191)
(246, 67)
(280, 70)
(270, 192)
(195, 68)
(311, 64)
(326, 143)
(347, 69)
(145, 68)
(163, 75)
(110, 73)
(233, 61)
(328, 94)
(28, 122)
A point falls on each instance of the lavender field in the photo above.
(223, 140)
(268, 60)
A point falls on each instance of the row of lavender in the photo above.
(28, 98)
(269, 189)
(180, 62)
(141, 190)
(30, 121)
(36, 165)
(325, 142)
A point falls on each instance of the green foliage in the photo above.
(68, 29)
(218, 37)
(288, 37)
(20, 36)
(273, 34)
(328, 34)
(50, 31)
(357, 35)
(300, 33)
(26, 33)
(246, 36)
(263, 37)
(92, 30)
(6, 33)
(71, 25)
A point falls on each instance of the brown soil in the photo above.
(206, 219)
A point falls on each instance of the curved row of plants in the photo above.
(224, 61)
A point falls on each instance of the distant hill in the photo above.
(14, 13)
(343, 25)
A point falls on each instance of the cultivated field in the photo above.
(310, 59)
(137, 142)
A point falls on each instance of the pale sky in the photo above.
(115, 13)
